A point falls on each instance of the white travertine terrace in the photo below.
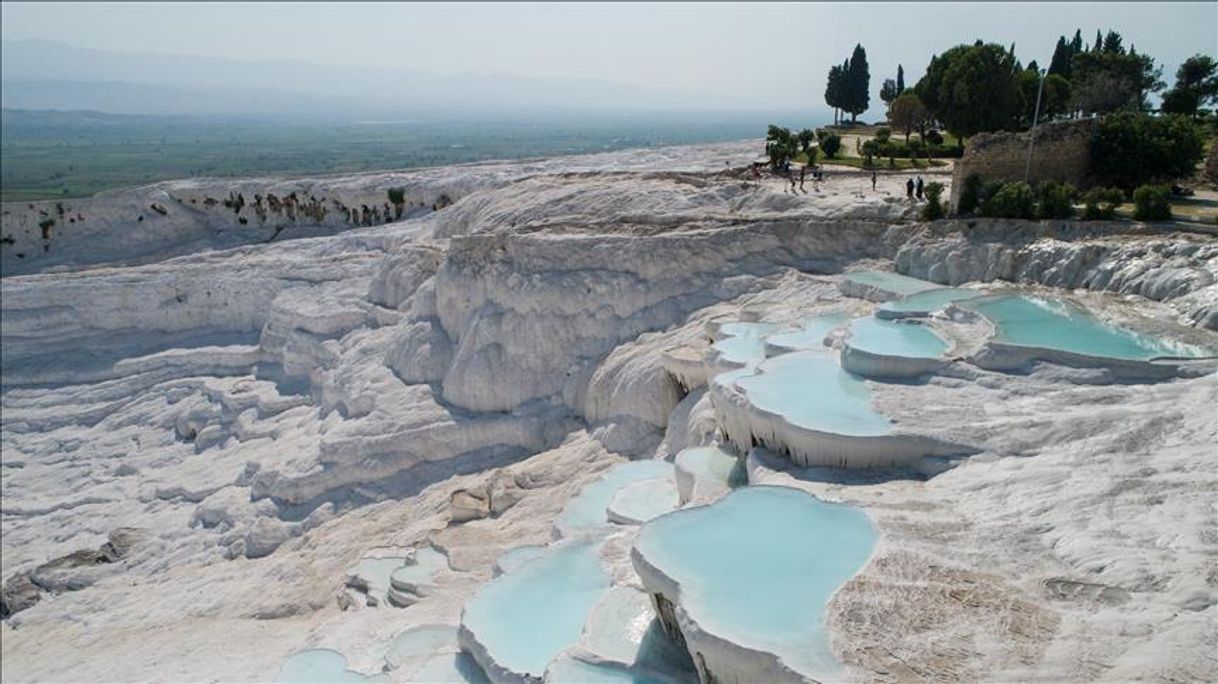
(206, 423)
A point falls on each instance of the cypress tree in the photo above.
(1062, 54)
(900, 79)
(858, 83)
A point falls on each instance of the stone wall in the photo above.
(1061, 152)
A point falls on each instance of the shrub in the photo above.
(1099, 204)
(831, 144)
(970, 194)
(1056, 200)
(1151, 203)
(1133, 149)
(883, 134)
(933, 210)
(1011, 200)
(933, 137)
(397, 195)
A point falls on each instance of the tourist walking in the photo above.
(873, 181)
(919, 188)
(802, 170)
(909, 187)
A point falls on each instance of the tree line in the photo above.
(981, 87)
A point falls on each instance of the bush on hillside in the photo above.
(1056, 200)
(396, 195)
(934, 137)
(933, 210)
(883, 134)
(1152, 203)
(1099, 204)
(1011, 200)
(831, 144)
(970, 194)
(1134, 149)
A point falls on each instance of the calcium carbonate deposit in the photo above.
(630, 417)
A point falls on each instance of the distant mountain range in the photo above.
(50, 75)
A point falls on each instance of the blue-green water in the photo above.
(450, 668)
(743, 343)
(646, 499)
(811, 336)
(1056, 324)
(714, 464)
(321, 666)
(428, 561)
(514, 558)
(759, 565)
(811, 390)
(421, 641)
(526, 617)
(585, 512)
(891, 282)
(572, 671)
(929, 301)
(894, 338)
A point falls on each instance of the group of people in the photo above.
(817, 177)
(912, 188)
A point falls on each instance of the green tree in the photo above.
(834, 89)
(900, 79)
(970, 89)
(888, 91)
(830, 144)
(907, 114)
(805, 138)
(1196, 86)
(1054, 97)
(1134, 149)
(1104, 82)
(779, 145)
(1060, 63)
(1112, 44)
(858, 84)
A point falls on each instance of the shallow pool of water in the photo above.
(713, 464)
(572, 671)
(890, 282)
(623, 628)
(421, 641)
(585, 513)
(321, 666)
(743, 343)
(427, 562)
(643, 500)
(894, 338)
(811, 336)
(526, 617)
(759, 565)
(928, 301)
(812, 391)
(450, 668)
(1056, 324)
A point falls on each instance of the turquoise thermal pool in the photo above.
(891, 338)
(1055, 324)
(427, 561)
(524, 618)
(572, 671)
(643, 500)
(925, 302)
(811, 336)
(512, 559)
(585, 513)
(812, 391)
(758, 567)
(893, 283)
(321, 666)
(743, 343)
(417, 642)
(622, 628)
(713, 464)
(450, 668)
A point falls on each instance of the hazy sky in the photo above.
(769, 54)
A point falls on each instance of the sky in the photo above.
(767, 55)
